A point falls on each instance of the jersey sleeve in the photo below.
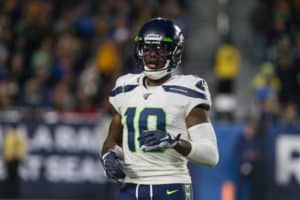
(202, 96)
(123, 84)
(115, 94)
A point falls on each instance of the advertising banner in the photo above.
(62, 159)
(277, 177)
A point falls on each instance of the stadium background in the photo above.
(59, 60)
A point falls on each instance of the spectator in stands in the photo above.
(109, 60)
(295, 15)
(172, 9)
(289, 115)
(42, 60)
(15, 147)
(17, 69)
(227, 65)
(287, 71)
(33, 95)
(280, 22)
(91, 82)
(3, 61)
(249, 149)
(109, 64)
(6, 101)
(62, 97)
(84, 104)
(266, 84)
(226, 70)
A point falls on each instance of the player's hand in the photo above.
(113, 166)
(157, 140)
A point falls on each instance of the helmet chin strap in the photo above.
(157, 74)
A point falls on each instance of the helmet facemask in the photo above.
(155, 59)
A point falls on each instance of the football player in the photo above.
(160, 121)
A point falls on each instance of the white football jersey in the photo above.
(163, 107)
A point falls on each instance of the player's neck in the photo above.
(158, 82)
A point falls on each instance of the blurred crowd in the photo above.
(65, 55)
(275, 89)
(276, 62)
(277, 28)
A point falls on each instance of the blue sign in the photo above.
(62, 160)
(281, 180)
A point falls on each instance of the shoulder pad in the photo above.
(125, 83)
(191, 81)
(127, 79)
(193, 87)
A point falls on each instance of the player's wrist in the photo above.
(107, 153)
(175, 140)
(115, 149)
(183, 147)
(111, 153)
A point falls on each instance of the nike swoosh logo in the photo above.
(170, 192)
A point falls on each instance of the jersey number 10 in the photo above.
(141, 118)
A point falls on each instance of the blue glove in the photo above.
(157, 140)
(113, 166)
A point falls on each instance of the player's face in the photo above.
(155, 56)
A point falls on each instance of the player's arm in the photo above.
(111, 154)
(113, 140)
(202, 147)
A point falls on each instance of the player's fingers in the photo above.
(150, 148)
(146, 134)
(149, 131)
(110, 174)
(178, 137)
(115, 172)
(152, 142)
(113, 165)
(164, 139)
(146, 139)
(119, 169)
(142, 138)
(145, 148)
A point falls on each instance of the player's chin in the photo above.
(155, 66)
(152, 66)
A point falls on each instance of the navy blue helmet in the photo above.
(158, 47)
